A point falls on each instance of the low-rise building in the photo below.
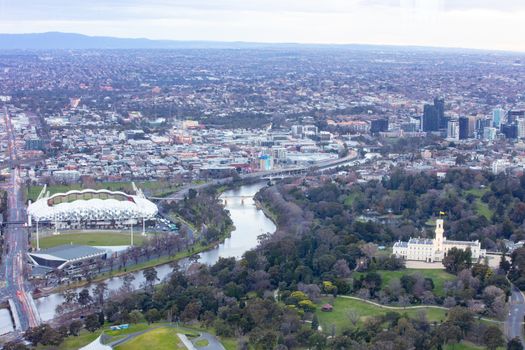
(430, 250)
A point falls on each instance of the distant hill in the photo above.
(58, 40)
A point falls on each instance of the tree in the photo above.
(514, 344)
(493, 337)
(135, 316)
(34, 335)
(150, 274)
(152, 315)
(447, 333)
(92, 322)
(457, 260)
(15, 345)
(191, 311)
(353, 317)
(315, 323)
(83, 297)
(461, 317)
(99, 293)
(504, 264)
(50, 336)
(74, 327)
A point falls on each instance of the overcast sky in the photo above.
(488, 24)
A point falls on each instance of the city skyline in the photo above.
(441, 23)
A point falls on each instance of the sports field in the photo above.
(90, 238)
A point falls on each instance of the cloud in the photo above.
(450, 5)
(458, 23)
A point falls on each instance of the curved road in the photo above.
(514, 323)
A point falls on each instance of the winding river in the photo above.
(249, 221)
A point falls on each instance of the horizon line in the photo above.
(270, 43)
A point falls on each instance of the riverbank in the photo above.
(163, 260)
(195, 249)
(248, 224)
(266, 210)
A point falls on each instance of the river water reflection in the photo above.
(249, 222)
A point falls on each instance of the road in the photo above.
(319, 166)
(514, 324)
(13, 261)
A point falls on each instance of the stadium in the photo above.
(90, 209)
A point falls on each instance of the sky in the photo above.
(485, 24)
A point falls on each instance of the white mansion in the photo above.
(430, 250)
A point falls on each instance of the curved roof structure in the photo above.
(92, 205)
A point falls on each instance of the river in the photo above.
(249, 222)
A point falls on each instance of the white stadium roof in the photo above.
(92, 205)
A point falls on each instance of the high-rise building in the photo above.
(497, 117)
(521, 127)
(453, 130)
(489, 133)
(513, 115)
(439, 104)
(430, 118)
(434, 116)
(265, 162)
(379, 125)
(463, 128)
(509, 130)
(472, 123)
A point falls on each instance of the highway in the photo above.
(13, 262)
(514, 323)
(319, 166)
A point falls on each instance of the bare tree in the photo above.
(353, 317)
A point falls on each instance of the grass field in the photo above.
(201, 343)
(90, 238)
(481, 207)
(158, 339)
(462, 346)
(438, 276)
(229, 343)
(339, 315)
(74, 343)
(350, 199)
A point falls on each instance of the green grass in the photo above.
(201, 343)
(481, 207)
(74, 343)
(478, 192)
(158, 339)
(350, 199)
(465, 345)
(90, 238)
(339, 315)
(229, 343)
(438, 276)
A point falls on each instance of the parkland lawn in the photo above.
(158, 339)
(465, 345)
(481, 207)
(91, 239)
(439, 277)
(342, 306)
